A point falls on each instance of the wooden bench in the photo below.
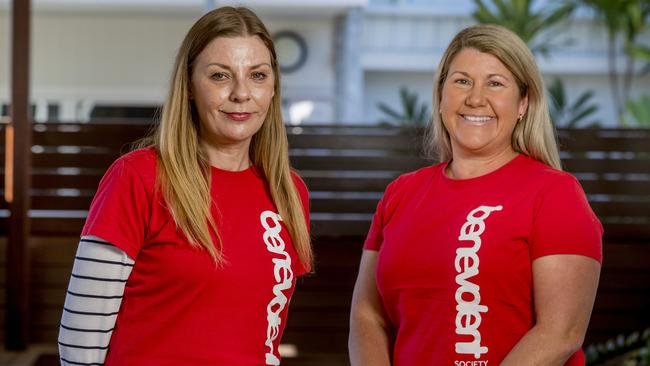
(346, 169)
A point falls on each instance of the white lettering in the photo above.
(283, 276)
(471, 363)
(468, 295)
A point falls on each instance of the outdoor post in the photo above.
(349, 73)
(17, 278)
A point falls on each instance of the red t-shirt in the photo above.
(454, 267)
(179, 308)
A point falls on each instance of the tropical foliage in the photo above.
(575, 114)
(536, 28)
(641, 53)
(534, 25)
(413, 112)
(624, 20)
(637, 112)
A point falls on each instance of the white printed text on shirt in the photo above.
(468, 296)
(283, 277)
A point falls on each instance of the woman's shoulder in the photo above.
(544, 174)
(300, 185)
(408, 183)
(545, 180)
(136, 165)
(417, 177)
(144, 158)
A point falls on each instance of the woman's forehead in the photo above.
(244, 50)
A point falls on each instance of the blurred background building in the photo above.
(368, 62)
(344, 61)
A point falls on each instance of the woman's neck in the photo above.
(470, 166)
(229, 157)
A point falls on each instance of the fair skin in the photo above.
(232, 85)
(480, 106)
(562, 311)
(368, 343)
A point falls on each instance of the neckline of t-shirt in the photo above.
(497, 172)
(233, 173)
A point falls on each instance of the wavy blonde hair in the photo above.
(183, 169)
(534, 135)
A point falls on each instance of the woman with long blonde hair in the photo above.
(491, 257)
(192, 245)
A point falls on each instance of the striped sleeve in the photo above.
(95, 291)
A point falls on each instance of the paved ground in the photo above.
(25, 358)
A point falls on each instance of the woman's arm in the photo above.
(93, 300)
(368, 343)
(564, 292)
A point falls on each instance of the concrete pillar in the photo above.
(349, 74)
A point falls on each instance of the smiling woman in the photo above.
(491, 257)
(193, 243)
(480, 106)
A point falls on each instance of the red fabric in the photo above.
(528, 211)
(178, 307)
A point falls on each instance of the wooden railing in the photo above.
(346, 169)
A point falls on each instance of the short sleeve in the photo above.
(376, 233)
(304, 195)
(303, 192)
(120, 209)
(564, 223)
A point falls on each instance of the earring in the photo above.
(520, 117)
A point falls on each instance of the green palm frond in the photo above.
(389, 111)
(527, 22)
(566, 114)
(638, 112)
(413, 112)
(641, 53)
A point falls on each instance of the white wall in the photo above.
(110, 56)
(406, 42)
(81, 56)
(399, 46)
(315, 81)
(116, 57)
(5, 55)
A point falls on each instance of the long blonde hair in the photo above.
(184, 172)
(534, 135)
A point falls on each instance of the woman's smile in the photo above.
(480, 104)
